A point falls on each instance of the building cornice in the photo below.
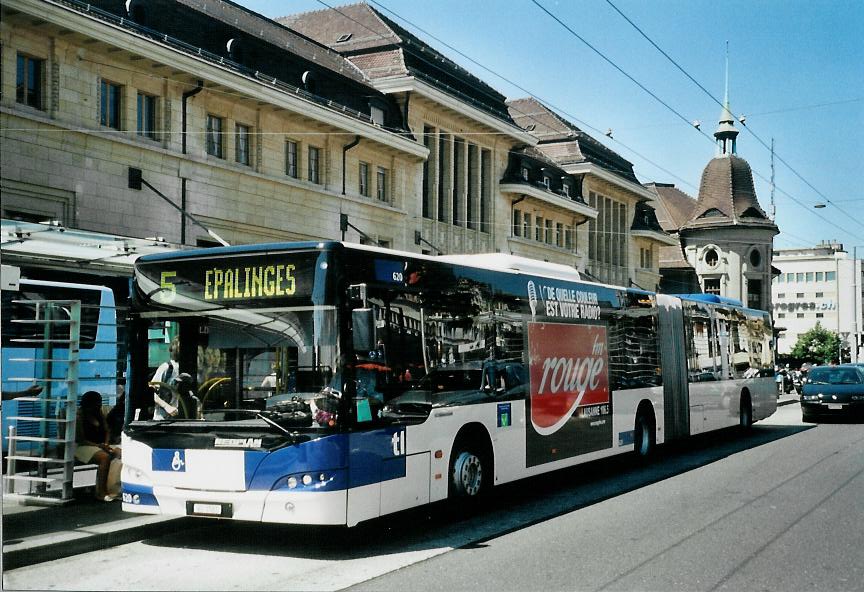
(589, 168)
(411, 84)
(153, 49)
(550, 199)
(655, 236)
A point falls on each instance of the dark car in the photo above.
(833, 390)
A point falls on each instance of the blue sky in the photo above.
(796, 72)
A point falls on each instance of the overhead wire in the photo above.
(713, 98)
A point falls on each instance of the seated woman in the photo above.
(92, 442)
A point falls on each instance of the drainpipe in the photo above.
(345, 150)
(188, 95)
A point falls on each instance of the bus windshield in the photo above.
(236, 365)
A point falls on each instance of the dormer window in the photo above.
(565, 189)
(525, 172)
(547, 182)
(377, 115)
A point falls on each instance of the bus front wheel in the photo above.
(467, 474)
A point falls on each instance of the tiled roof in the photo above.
(727, 195)
(674, 207)
(672, 257)
(564, 141)
(275, 33)
(364, 30)
(381, 64)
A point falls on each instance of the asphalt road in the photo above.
(776, 509)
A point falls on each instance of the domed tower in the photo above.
(729, 238)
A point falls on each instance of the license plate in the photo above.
(836, 406)
(215, 509)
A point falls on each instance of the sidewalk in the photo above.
(33, 534)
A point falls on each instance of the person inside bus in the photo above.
(92, 442)
(188, 403)
(165, 398)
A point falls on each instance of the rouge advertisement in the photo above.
(569, 401)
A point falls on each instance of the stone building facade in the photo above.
(87, 94)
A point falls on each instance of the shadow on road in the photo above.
(511, 507)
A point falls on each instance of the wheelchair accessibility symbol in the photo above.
(177, 463)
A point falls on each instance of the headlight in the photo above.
(313, 481)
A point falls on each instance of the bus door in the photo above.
(676, 404)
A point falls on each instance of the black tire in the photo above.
(745, 415)
(644, 438)
(470, 472)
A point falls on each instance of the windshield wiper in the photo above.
(294, 436)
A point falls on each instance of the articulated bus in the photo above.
(336, 383)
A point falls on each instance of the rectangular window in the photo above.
(525, 172)
(712, 286)
(381, 185)
(820, 294)
(147, 116)
(28, 82)
(292, 166)
(428, 181)
(809, 276)
(314, 157)
(241, 144)
(559, 234)
(830, 276)
(754, 294)
(800, 315)
(363, 179)
(214, 143)
(799, 277)
(526, 225)
(568, 237)
(781, 296)
(566, 190)
(517, 222)
(799, 295)
(820, 276)
(820, 315)
(549, 239)
(547, 182)
(781, 315)
(109, 104)
(538, 228)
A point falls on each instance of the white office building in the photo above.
(818, 285)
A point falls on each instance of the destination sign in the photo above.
(248, 280)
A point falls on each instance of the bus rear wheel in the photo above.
(745, 415)
(643, 435)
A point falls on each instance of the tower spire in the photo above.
(726, 132)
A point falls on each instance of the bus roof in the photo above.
(496, 261)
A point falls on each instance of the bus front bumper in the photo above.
(278, 506)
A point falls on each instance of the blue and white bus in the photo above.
(341, 382)
(25, 358)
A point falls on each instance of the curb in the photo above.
(61, 545)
